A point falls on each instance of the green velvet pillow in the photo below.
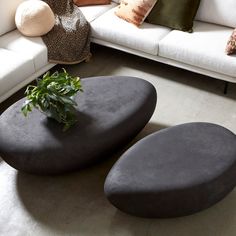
(176, 14)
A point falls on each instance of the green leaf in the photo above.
(53, 95)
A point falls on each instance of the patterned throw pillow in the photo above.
(231, 44)
(135, 11)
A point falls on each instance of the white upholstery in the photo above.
(14, 69)
(26, 81)
(116, 1)
(32, 48)
(204, 48)
(92, 12)
(111, 28)
(222, 12)
(7, 15)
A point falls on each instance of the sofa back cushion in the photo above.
(221, 12)
(7, 16)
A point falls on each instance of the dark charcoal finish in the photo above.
(174, 172)
(111, 111)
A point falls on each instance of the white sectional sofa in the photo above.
(22, 59)
(201, 51)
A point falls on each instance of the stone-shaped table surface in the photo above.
(111, 111)
(174, 172)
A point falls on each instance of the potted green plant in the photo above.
(53, 96)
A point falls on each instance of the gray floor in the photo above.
(74, 204)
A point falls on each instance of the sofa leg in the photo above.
(226, 87)
(89, 57)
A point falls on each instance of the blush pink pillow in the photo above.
(134, 11)
(231, 44)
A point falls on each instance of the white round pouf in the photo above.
(34, 18)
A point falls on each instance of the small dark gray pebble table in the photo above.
(174, 172)
(111, 111)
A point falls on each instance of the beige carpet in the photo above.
(74, 204)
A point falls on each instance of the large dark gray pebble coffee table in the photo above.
(111, 111)
(174, 172)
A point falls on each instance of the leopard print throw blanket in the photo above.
(69, 40)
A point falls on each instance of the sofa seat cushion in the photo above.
(204, 48)
(32, 48)
(15, 68)
(111, 28)
(92, 12)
